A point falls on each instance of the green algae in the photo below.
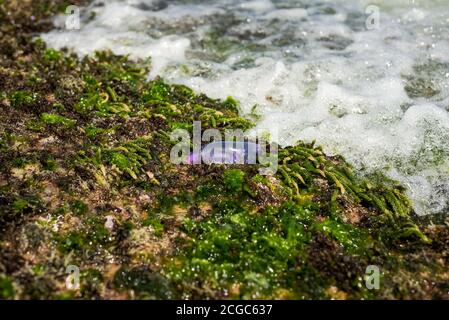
(156, 224)
(23, 98)
(73, 241)
(95, 234)
(258, 253)
(78, 207)
(351, 238)
(158, 91)
(233, 180)
(6, 288)
(55, 119)
(52, 55)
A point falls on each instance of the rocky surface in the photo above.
(85, 180)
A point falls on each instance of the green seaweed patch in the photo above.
(231, 104)
(71, 242)
(23, 98)
(21, 161)
(126, 158)
(56, 119)
(6, 288)
(38, 269)
(351, 238)
(158, 91)
(129, 157)
(49, 163)
(120, 69)
(78, 207)
(156, 223)
(94, 133)
(234, 179)
(234, 247)
(102, 105)
(52, 55)
(301, 164)
(25, 204)
(92, 235)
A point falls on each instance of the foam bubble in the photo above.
(258, 5)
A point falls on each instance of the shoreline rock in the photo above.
(86, 141)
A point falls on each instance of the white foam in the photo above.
(258, 5)
(314, 72)
(287, 14)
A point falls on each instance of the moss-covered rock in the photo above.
(85, 180)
